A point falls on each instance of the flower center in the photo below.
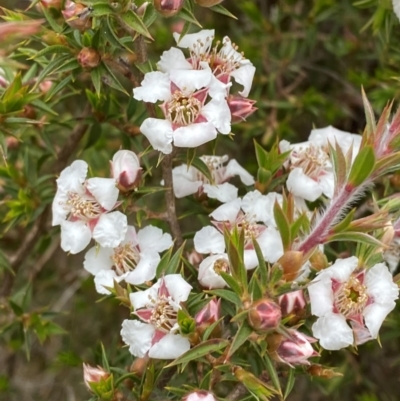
(221, 266)
(312, 159)
(83, 207)
(351, 298)
(125, 258)
(216, 168)
(250, 228)
(183, 110)
(163, 315)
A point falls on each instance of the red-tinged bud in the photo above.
(168, 8)
(139, 366)
(20, 29)
(295, 349)
(318, 260)
(195, 258)
(29, 112)
(76, 15)
(264, 315)
(199, 395)
(126, 170)
(240, 108)
(210, 313)
(93, 375)
(291, 263)
(12, 142)
(45, 86)
(208, 3)
(292, 303)
(52, 3)
(89, 57)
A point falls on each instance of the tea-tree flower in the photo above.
(311, 173)
(83, 208)
(126, 170)
(343, 293)
(210, 269)
(199, 395)
(157, 331)
(189, 180)
(134, 260)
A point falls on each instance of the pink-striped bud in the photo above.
(295, 349)
(199, 395)
(93, 375)
(292, 303)
(126, 170)
(89, 57)
(264, 315)
(45, 86)
(168, 8)
(210, 313)
(76, 15)
(240, 108)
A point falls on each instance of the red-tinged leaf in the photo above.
(369, 115)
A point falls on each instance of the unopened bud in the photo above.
(264, 315)
(89, 57)
(207, 316)
(168, 8)
(292, 303)
(76, 15)
(295, 349)
(318, 260)
(126, 170)
(93, 375)
(208, 3)
(29, 112)
(199, 395)
(291, 263)
(240, 108)
(45, 86)
(139, 366)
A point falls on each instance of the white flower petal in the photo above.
(177, 287)
(244, 76)
(110, 230)
(173, 59)
(188, 81)
(380, 285)
(321, 295)
(191, 40)
(327, 184)
(170, 346)
(141, 299)
(207, 277)
(152, 238)
(301, 185)
(234, 168)
(145, 269)
(105, 278)
(138, 336)
(261, 207)
(270, 242)
(72, 178)
(60, 212)
(333, 332)
(217, 112)
(342, 269)
(155, 86)
(159, 133)
(375, 314)
(97, 259)
(104, 190)
(209, 240)
(194, 135)
(131, 237)
(75, 236)
(250, 259)
(223, 192)
(228, 211)
(184, 179)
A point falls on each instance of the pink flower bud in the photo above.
(126, 170)
(292, 302)
(93, 375)
(199, 395)
(296, 349)
(264, 315)
(75, 15)
(168, 8)
(210, 313)
(240, 108)
(45, 86)
(89, 57)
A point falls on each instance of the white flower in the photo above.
(344, 293)
(157, 332)
(190, 120)
(245, 215)
(125, 167)
(189, 180)
(210, 268)
(311, 172)
(225, 62)
(82, 207)
(134, 260)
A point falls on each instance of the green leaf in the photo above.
(363, 166)
(104, 359)
(110, 79)
(53, 23)
(95, 74)
(369, 114)
(241, 336)
(108, 32)
(94, 134)
(211, 328)
(5, 264)
(203, 168)
(39, 104)
(228, 295)
(200, 350)
(49, 69)
(232, 283)
(56, 88)
(344, 223)
(222, 10)
(188, 16)
(101, 9)
(356, 237)
(133, 22)
(55, 49)
(289, 384)
(164, 262)
(262, 266)
(283, 226)
(175, 262)
(272, 373)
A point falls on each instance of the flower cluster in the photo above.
(195, 92)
